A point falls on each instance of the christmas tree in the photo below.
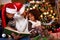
(48, 15)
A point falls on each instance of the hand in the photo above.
(16, 37)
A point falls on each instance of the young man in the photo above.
(15, 11)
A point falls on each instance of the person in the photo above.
(34, 23)
(1, 28)
(14, 11)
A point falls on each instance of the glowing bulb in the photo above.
(27, 9)
(52, 16)
(41, 15)
(34, 7)
(51, 11)
(47, 13)
(32, 1)
(44, 13)
(30, 8)
(37, 1)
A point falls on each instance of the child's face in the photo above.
(31, 17)
(10, 16)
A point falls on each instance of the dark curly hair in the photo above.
(35, 13)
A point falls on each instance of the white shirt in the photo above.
(21, 23)
(35, 23)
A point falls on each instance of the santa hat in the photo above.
(11, 8)
(20, 7)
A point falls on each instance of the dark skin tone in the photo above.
(10, 16)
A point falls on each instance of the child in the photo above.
(35, 26)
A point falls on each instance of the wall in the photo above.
(4, 1)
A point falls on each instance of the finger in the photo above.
(13, 34)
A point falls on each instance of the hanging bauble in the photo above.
(3, 35)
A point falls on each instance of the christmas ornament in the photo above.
(3, 35)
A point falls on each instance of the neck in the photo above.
(34, 20)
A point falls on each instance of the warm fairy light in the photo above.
(36, 5)
(52, 16)
(33, 7)
(47, 13)
(32, 1)
(41, 15)
(51, 11)
(37, 1)
(27, 9)
(44, 13)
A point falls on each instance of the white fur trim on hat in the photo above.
(22, 9)
(11, 11)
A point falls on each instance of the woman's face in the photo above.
(10, 16)
(31, 17)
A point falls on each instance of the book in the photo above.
(9, 30)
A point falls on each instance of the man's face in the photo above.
(10, 16)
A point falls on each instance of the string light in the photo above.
(51, 11)
(41, 16)
(47, 13)
(44, 13)
(32, 1)
(31, 8)
(52, 16)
